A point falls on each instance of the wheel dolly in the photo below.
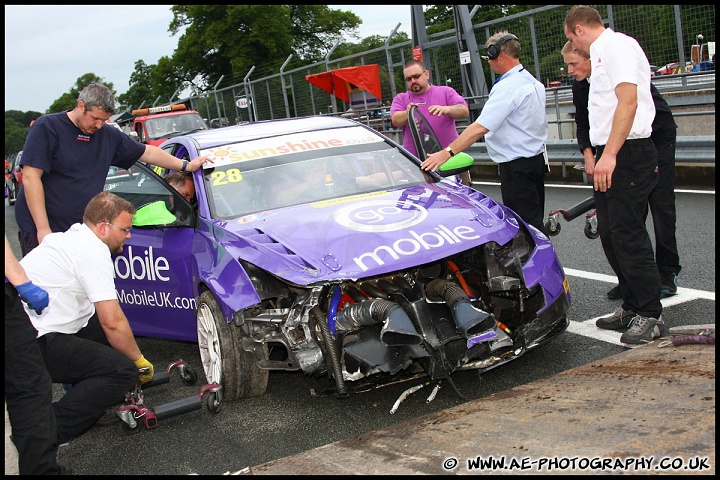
(552, 224)
(135, 408)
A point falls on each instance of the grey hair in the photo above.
(97, 95)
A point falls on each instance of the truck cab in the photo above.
(156, 124)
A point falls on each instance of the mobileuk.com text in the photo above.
(559, 464)
(155, 299)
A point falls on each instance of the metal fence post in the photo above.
(282, 82)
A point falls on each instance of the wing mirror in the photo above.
(460, 162)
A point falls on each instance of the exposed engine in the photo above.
(473, 311)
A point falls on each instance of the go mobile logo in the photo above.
(380, 216)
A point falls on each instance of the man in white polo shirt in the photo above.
(621, 112)
(83, 334)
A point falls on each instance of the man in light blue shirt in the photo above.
(515, 127)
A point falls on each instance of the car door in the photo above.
(423, 135)
(426, 142)
(156, 274)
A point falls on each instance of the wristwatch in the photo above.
(449, 150)
(184, 167)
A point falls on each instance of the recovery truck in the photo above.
(154, 125)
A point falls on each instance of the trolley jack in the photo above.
(135, 410)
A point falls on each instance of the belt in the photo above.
(539, 155)
(629, 141)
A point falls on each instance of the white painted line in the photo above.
(683, 295)
(591, 275)
(589, 187)
(587, 328)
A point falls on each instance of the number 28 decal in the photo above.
(231, 175)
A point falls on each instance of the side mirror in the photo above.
(460, 162)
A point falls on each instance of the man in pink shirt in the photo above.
(440, 105)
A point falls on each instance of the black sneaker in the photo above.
(644, 330)
(619, 320)
(668, 284)
(614, 293)
(110, 417)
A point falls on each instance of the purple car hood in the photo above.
(367, 235)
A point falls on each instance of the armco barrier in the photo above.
(694, 161)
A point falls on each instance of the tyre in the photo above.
(223, 358)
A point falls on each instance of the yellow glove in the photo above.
(143, 363)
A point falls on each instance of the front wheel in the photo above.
(224, 360)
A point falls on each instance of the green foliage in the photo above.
(16, 127)
(140, 88)
(230, 40)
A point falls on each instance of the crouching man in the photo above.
(84, 336)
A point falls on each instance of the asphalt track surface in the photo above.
(295, 415)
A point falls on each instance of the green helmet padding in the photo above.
(155, 213)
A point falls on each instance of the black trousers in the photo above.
(99, 374)
(28, 392)
(662, 207)
(522, 185)
(28, 241)
(621, 214)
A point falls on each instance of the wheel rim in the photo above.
(209, 345)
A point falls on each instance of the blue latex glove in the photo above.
(34, 296)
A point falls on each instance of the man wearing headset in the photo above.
(515, 127)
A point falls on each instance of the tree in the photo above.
(346, 49)
(150, 82)
(17, 124)
(140, 88)
(229, 40)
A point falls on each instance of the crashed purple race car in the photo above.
(319, 245)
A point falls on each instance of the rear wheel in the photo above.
(224, 360)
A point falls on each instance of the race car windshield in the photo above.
(251, 186)
(173, 126)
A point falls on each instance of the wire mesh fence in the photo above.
(675, 38)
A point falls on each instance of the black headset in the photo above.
(493, 51)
